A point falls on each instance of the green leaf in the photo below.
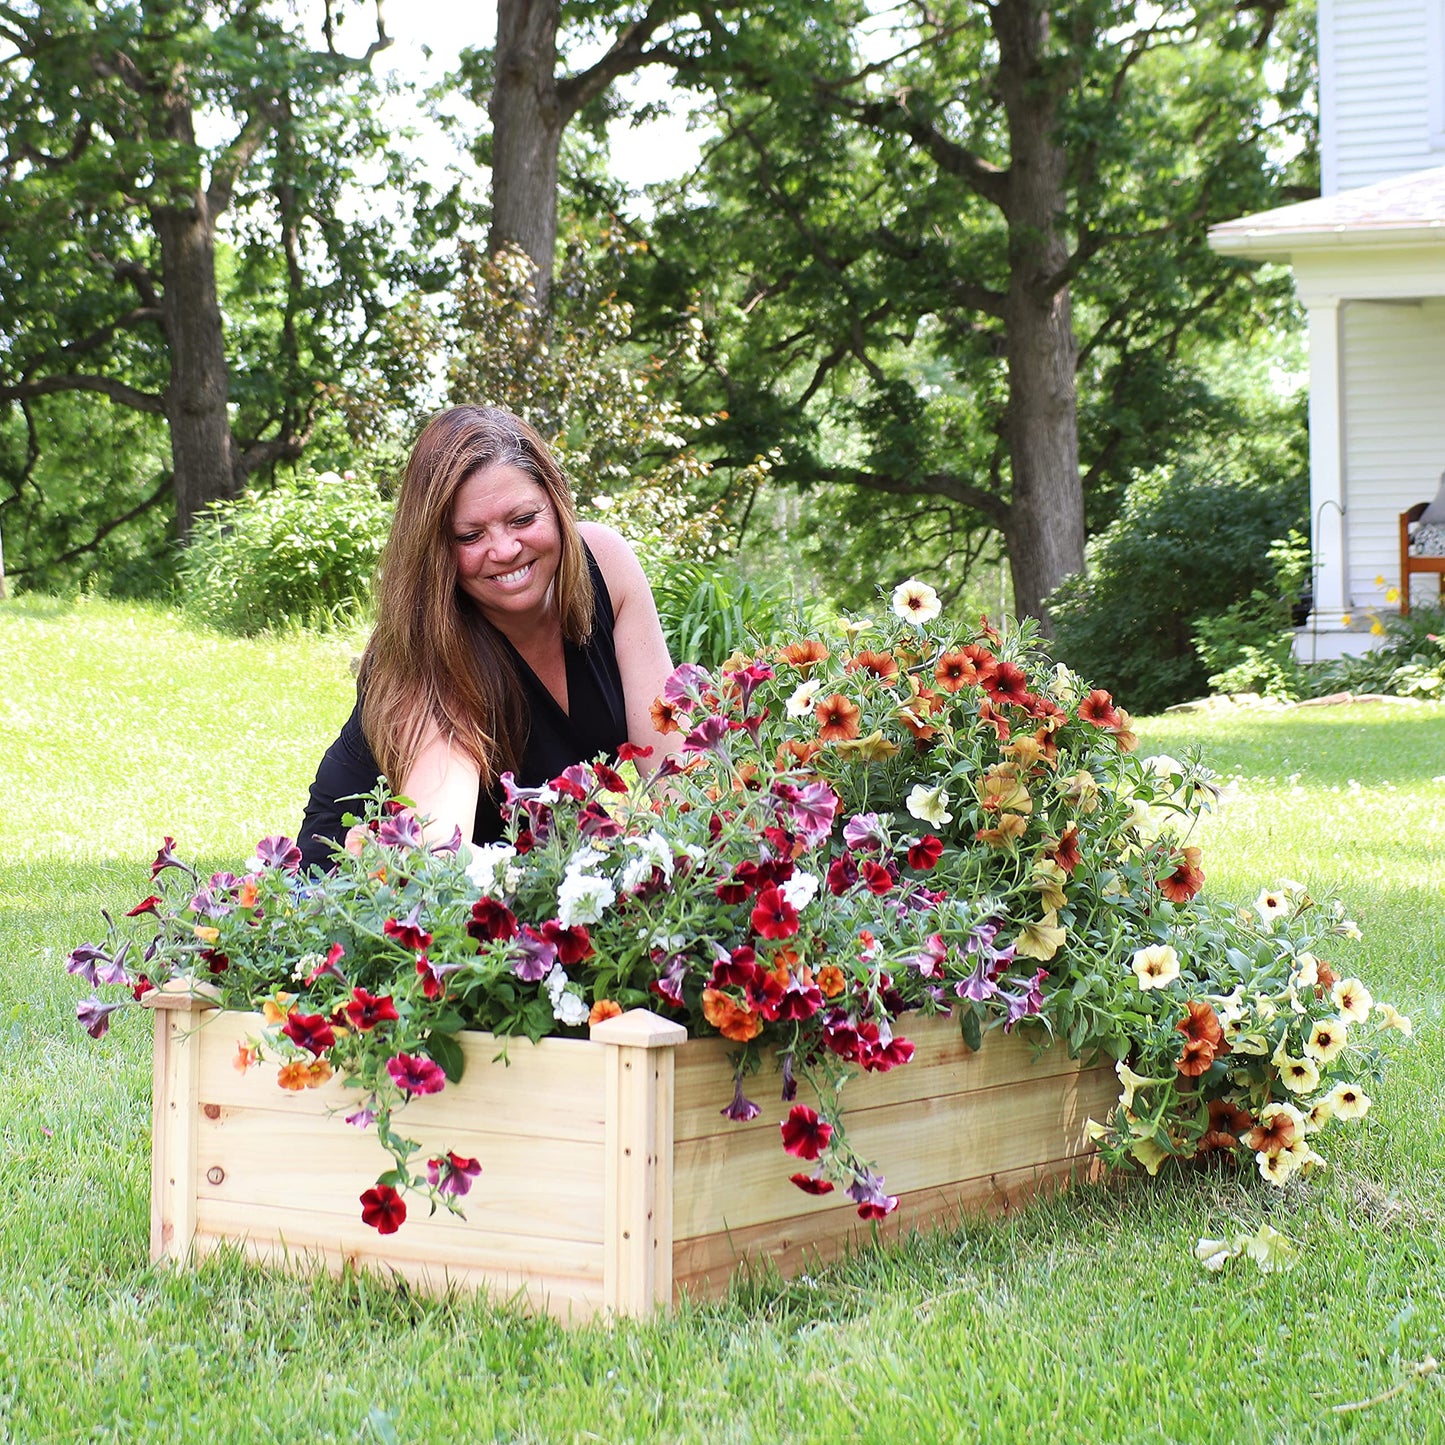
(447, 1052)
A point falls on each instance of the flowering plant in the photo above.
(908, 819)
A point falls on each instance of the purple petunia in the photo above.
(532, 955)
(276, 851)
(399, 830)
(740, 1110)
(94, 1014)
(413, 1074)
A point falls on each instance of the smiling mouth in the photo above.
(514, 576)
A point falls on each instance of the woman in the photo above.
(509, 638)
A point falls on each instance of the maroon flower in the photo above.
(571, 782)
(842, 875)
(408, 931)
(925, 853)
(805, 1135)
(812, 1183)
(312, 1032)
(94, 1016)
(166, 858)
(383, 1209)
(573, 944)
(735, 969)
(774, 916)
(431, 980)
(866, 1191)
(413, 1074)
(491, 920)
(366, 1010)
(741, 1109)
(1007, 683)
(799, 1001)
(452, 1174)
(610, 779)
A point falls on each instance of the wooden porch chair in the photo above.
(1409, 563)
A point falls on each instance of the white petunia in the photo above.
(653, 851)
(583, 898)
(1272, 903)
(491, 869)
(916, 601)
(929, 805)
(1353, 1000)
(567, 1007)
(804, 695)
(800, 890)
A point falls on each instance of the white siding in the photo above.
(1379, 75)
(1394, 433)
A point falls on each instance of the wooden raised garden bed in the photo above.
(611, 1183)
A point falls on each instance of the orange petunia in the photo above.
(1065, 852)
(958, 670)
(1186, 880)
(1202, 1023)
(803, 655)
(797, 754)
(1196, 1059)
(880, 664)
(986, 714)
(1227, 1122)
(317, 1073)
(246, 1058)
(1002, 790)
(664, 717)
(1274, 1134)
(838, 718)
(831, 980)
(604, 1008)
(246, 893)
(730, 1019)
(1127, 739)
(1010, 828)
(295, 1075)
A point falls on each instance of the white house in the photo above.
(1369, 265)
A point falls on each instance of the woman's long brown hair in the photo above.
(433, 657)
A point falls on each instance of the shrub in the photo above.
(708, 614)
(301, 553)
(1411, 663)
(1185, 547)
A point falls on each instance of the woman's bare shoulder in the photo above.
(614, 556)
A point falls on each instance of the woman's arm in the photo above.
(642, 656)
(444, 783)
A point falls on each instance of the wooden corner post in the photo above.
(637, 1244)
(175, 1114)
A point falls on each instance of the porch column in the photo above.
(1328, 531)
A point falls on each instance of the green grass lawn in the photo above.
(1082, 1319)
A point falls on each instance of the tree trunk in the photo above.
(527, 124)
(1045, 532)
(196, 397)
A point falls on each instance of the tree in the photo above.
(172, 235)
(915, 259)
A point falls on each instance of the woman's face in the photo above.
(508, 544)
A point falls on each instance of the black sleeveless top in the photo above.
(596, 722)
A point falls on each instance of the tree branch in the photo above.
(158, 495)
(117, 391)
(938, 484)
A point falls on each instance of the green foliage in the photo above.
(1410, 662)
(303, 552)
(1249, 647)
(709, 611)
(1187, 546)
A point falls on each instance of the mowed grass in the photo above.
(1083, 1318)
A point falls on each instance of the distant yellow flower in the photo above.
(1346, 618)
(205, 933)
(1377, 628)
(1392, 594)
(1392, 1018)
(875, 748)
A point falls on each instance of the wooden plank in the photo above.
(554, 1088)
(441, 1241)
(703, 1268)
(174, 1115)
(570, 1301)
(539, 1186)
(941, 1064)
(637, 1259)
(739, 1176)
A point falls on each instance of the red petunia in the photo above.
(925, 853)
(431, 983)
(773, 916)
(610, 778)
(491, 921)
(311, 1032)
(365, 1010)
(1007, 683)
(146, 905)
(383, 1209)
(631, 753)
(805, 1135)
(1098, 708)
(572, 944)
(877, 877)
(408, 931)
(413, 1074)
(812, 1183)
